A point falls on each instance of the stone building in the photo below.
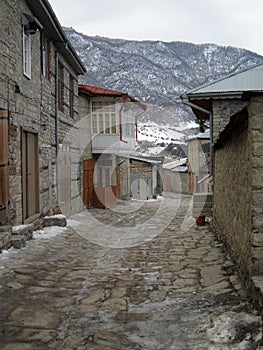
(235, 108)
(109, 119)
(38, 107)
(198, 151)
(144, 178)
(175, 176)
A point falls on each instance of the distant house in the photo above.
(198, 151)
(38, 105)
(175, 176)
(112, 117)
(235, 108)
(144, 177)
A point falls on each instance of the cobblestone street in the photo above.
(140, 277)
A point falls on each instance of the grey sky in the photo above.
(225, 22)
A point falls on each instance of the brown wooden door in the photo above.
(30, 174)
(4, 169)
(168, 183)
(88, 184)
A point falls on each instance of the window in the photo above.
(45, 56)
(71, 96)
(103, 117)
(60, 87)
(26, 53)
(104, 170)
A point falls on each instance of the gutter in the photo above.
(124, 97)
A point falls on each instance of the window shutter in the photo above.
(4, 168)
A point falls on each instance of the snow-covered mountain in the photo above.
(157, 73)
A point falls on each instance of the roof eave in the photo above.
(43, 11)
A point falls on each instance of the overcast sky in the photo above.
(236, 23)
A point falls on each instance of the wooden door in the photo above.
(88, 183)
(30, 182)
(4, 170)
(168, 183)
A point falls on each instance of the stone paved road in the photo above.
(136, 278)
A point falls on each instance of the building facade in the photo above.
(38, 106)
(110, 118)
(235, 108)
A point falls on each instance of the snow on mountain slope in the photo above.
(157, 73)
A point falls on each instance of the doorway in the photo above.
(30, 177)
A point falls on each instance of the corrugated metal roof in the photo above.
(98, 91)
(175, 163)
(201, 136)
(146, 160)
(250, 79)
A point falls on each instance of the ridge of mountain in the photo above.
(157, 72)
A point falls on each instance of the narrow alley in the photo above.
(142, 276)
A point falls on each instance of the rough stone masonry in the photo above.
(71, 288)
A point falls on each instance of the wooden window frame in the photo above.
(103, 117)
(45, 55)
(60, 87)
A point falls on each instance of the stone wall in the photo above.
(31, 106)
(255, 110)
(124, 178)
(222, 110)
(85, 127)
(232, 197)
(179, 181)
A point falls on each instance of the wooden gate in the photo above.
(88, 184)
(30, 182)
(4, 170)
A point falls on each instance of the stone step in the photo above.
(18, 241)
(202, 205)
(5, 240)
(23, 230)
(5, 228)
(55, 220)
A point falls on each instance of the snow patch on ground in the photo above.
(49, 232)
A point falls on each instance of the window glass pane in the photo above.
(101, 124)
(107, 123)
(26, 53)
(113, 124)
(94, 124)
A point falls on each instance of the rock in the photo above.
(18, 241)
(116, 304)
(55, 220)
(233, 327)
(14, 285)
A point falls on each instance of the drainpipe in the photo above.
(56, 127)
(192, 105)
(124, 97)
